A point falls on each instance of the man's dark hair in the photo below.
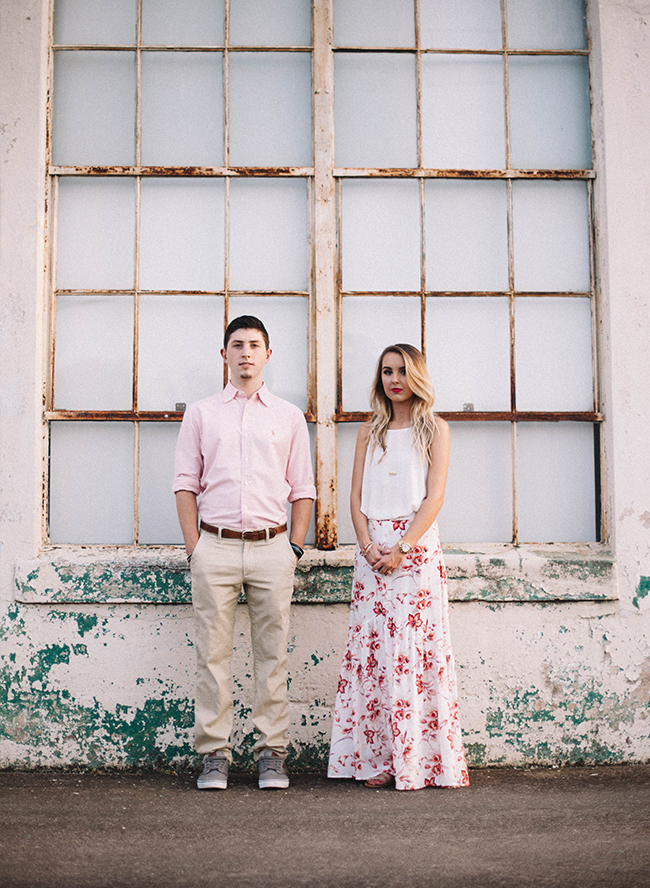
(245, 322)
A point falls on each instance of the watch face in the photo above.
(405, 548)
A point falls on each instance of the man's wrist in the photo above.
(298, 551)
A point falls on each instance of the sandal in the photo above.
(379, 781)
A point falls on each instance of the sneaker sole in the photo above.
(211, 785)
(273, 784)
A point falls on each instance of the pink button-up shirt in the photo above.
(246, 457)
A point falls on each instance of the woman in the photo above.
(396, 714)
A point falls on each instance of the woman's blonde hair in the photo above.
(423, 420)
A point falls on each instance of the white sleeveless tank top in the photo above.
(395, 485)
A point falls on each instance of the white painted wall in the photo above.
(106, 684)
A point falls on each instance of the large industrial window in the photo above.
(356, 173)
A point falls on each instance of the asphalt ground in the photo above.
(570, 827)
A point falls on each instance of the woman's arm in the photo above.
(431, 504)
(371, 550)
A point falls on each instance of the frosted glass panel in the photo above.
(182, 234)
(91, 483)
(95, 21)
(466, 235)
(182, 109)
(370, 323)
(190, 23)
(178, 358)
(550, 118)
(374, 23)
(380, 235)
(463, 112)
(553, 360)
(551, 236)
(555, 482)
(94, 353)
(270, 108)
(346, 440)
(478, 499)
(158, 520)
(374, 110)
(468, 352)
(270, 23)
(269, 246)
(93, 119)
(551, 24)
(460, 24)
(286, 319)
(96, 234)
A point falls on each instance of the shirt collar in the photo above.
(231, 392)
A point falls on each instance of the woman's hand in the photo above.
(373, 553)
(390, 560)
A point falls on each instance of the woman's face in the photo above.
(393, 378)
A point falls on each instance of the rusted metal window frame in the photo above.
(325, 291)
(137, 172)
(508, 174)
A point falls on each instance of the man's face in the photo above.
(246, 354)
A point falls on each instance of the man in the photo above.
(245, 452)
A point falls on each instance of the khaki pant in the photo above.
(265, 569)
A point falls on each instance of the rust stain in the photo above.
(326, 534)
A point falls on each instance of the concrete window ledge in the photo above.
(494, 573)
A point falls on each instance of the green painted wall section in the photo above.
(45, 723)
(530, 576)
(642, 591)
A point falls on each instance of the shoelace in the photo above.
(274, 764)
(217, 764)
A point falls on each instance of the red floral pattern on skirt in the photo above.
(396, 707)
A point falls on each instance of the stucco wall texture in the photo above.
(552, 645)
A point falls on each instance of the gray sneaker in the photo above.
(272, 773)
(215, 772)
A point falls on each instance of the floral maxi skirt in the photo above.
(396, 707)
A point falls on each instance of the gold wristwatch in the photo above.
(404, 548)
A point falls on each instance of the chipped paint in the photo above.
(642, 591)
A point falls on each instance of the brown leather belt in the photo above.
(267, 534)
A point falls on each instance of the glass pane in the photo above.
(182, 109)
(96, 234)
(478, 499)
(94, 353)
(158, 520)
(94, 21)
(551, 24)
(346, 440)
(270, 108)
(286, 318)
(374, 110)
(370, 323)
(374, 23)
(93, 119)
(178, 358)
(550, 118)
(270, 23)
(460, 24)
(551, 236)
(269, 245)
(468, 352)
(555, 482)
(190, 23)
(380, 234)
(91, 483)
(466, 235)
(463, 124)
(182, 234)
(553, 360)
